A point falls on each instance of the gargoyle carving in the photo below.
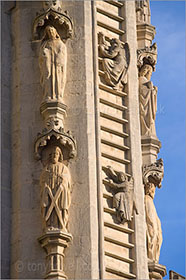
(116, 59)
(123, 200)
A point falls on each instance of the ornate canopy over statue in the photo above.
(52, 14)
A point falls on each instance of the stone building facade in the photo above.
(79, 147)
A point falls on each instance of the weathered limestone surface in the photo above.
(27, 258)
(91, 89)
(27, 122)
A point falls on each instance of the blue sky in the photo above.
(169, 19)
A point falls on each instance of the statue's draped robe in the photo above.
(148, 106)
(154, 232)
(115, 67)
(52, 62)
(53, 178)
(123, 202)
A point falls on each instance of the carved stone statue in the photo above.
(116, 59)
(142, 11)
(55, 182)
(152, 177)
(154, 232)
(148, 101)
(123, 200)
(52, 62)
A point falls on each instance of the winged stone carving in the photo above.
(123, 199)
(116, 59)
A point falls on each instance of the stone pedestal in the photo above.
(53, 111)
(150, 149)
(156, 271)
(54, 243)
(145, 35)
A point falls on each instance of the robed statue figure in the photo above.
(55, 184)
(154, 232)
(52, 63)
(148, 101)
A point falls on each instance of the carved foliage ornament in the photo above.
(123, 199)
(116, 59)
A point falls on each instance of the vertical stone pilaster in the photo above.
(140, 253)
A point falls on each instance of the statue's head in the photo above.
(150, 189)
(146, 71)
(122, 177)
(51, 32)
(56, 155)
(115, 43)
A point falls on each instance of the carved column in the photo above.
(54, 147)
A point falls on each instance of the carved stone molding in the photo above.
(115, 61)
(123, 198)
(54, 243)
(54, 113)
(156, 271)
(145, 34)
(150, 149)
